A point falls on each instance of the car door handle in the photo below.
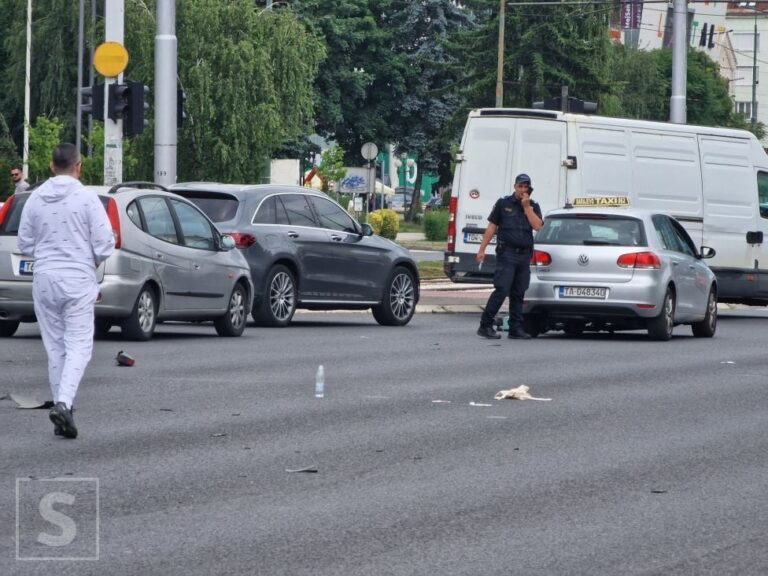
(335, 237)
(293, 235)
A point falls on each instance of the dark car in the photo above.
(305, 251)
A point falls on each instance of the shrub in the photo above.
(385, 223)
(436, 225)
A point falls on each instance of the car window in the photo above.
(265, 213)
(218, 207)
(195, 228)
(683, 239)
(158, 217)
(298, 210)
(598, 230)
(666, 231)
(13, 218)
(134, 214)
(332, 216)
(762, 193)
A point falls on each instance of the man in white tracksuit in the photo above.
(65, 228)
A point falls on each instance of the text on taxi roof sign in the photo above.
(593, 201)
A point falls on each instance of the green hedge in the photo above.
(436, 225)
(385, 223)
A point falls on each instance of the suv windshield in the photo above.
(591, 230)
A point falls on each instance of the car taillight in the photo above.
(5, 210)
(647, 260)
(452, 223)
(540, 258)
(243, 240)
(114, 219)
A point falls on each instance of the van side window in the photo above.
(762, 193)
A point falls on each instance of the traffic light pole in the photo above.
(166, 100)
(114, 18)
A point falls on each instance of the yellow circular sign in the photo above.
(110, 59)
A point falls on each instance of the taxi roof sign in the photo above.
(600, 201)
(110, 59)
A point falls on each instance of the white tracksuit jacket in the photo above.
(65, 228)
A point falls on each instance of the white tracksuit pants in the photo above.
(64, 306)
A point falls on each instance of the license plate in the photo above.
(583, 292)
(26, 267)
(474, 238)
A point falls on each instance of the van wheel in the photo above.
(232, 323)
(706, 328)
(101, 327)
(279, 302)
(660, 328)
(8, 328)
(140, 325)
(399, 301)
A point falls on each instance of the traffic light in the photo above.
(181, 99)
(118, 101)
(128, 101)
(92, 101)
(575, 105)
(134, 117)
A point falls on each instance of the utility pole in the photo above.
(754, 75)
(677, 109)
(27, 96)
(114, 19)
(166, 69)
(80, 44)
(500, 64)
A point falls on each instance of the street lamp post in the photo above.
(754, 74)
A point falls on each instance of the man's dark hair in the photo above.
(65, 156)
(18, 167)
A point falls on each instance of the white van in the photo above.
(713, 180)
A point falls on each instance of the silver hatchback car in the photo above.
(618, 269)
(170, 263)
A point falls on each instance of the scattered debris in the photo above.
(519, 393)
(236, 414)
(479, 404)
(655, 491)
(124, 359)
(441, 401)
(218, 435)
(308, 469)
(727, 362)
(379, 450)
(165, 409)
(30, 402)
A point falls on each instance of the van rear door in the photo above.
(494, 149)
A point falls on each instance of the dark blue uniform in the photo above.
(514, 246)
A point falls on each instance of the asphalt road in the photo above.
(649, 459)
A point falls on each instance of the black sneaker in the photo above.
(62, 420)
(518, 334)
(488, 332)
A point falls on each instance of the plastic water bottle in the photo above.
(320, 382)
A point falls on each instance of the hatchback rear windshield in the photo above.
(218, 207)
(592, 231)
(10, 225)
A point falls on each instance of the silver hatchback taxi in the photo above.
(618, 269)
(170, 263)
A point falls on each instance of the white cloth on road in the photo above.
(519, 393)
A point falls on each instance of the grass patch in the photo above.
(431, 270)
(410, 227)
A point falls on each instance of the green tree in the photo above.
(44, 136)
(9, 158)
(331, 167)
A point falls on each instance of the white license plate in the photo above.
(474, 238)
(26, 267)
(583, 292)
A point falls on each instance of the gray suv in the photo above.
(306, 252)
(170, 263)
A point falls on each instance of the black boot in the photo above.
(518, 334)
(488, 332)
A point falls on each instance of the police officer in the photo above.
(513, 220)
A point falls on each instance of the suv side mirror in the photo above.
(367, 230)
(227, 243)
(707, 252)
